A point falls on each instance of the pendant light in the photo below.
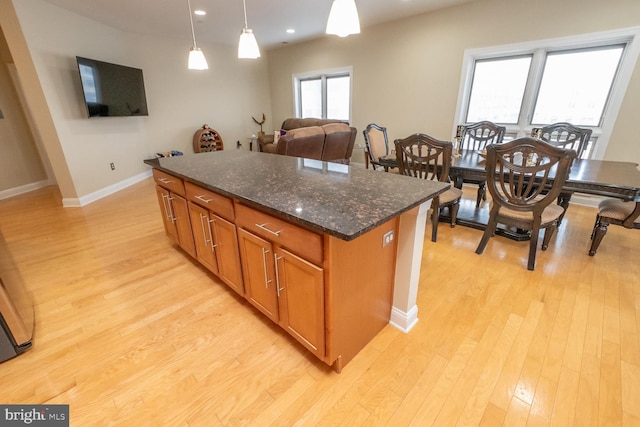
(343, 18)
(247, 46)
(197, 61)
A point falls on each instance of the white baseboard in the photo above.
(585, 200)
(5, 194)
(104, 192)
(404, 321)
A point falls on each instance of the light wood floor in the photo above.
(131, 332)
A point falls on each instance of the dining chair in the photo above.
(424, 157)
(613, 212)
(475, 137)
(565, 135)
(376, 145)
(524, 177)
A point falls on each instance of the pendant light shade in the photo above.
(343, 18)
(197, 61)
(247, 46)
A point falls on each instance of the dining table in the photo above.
(605, 178)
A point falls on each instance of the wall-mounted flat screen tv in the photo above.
(112, 90)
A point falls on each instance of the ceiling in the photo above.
(269, 19)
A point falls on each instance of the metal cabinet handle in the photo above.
(278, 288)
(165, 180)
(164, 206)
(168, 208)
(263, 226)
(173, 216)
(204, 232)
(202, 199)
(264, 264)
(213, 245)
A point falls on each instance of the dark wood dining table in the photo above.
(605, 178)
(596, 177)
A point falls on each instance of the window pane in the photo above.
(311, 98)
(575, 86)
(338, 98)
(497, 90)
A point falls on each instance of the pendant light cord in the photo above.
(244, 4)
(193, 33)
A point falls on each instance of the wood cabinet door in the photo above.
(226, 241)
(258, 272)
(168, 218)
(203, 237)
(301, 300)
(183, 223)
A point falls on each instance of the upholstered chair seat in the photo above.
(616, 212)
(451, 195)
(616, 209)
(549, 214)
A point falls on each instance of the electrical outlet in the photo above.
(387, 238)
(113, 166)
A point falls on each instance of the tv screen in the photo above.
(112, 90)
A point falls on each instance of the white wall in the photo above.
(20, 162)
(179, 100)
(406, 73)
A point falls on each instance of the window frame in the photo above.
(539, 49)
(322, 75)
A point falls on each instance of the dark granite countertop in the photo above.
(340, 200)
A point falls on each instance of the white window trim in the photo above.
(295, 79)
(631, 36)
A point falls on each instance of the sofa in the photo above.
(321, 139)
(331, 142)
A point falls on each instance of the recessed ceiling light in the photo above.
(200, 12)
(291, 31)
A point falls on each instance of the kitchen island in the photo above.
(328, 251)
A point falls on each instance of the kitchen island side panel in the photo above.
(360, 295)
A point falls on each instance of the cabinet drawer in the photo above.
(169, 182)
(298, 240)
(215, 202)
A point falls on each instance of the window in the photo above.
(580, 80)
(576, 97)
(498, 88)
(324, 95)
